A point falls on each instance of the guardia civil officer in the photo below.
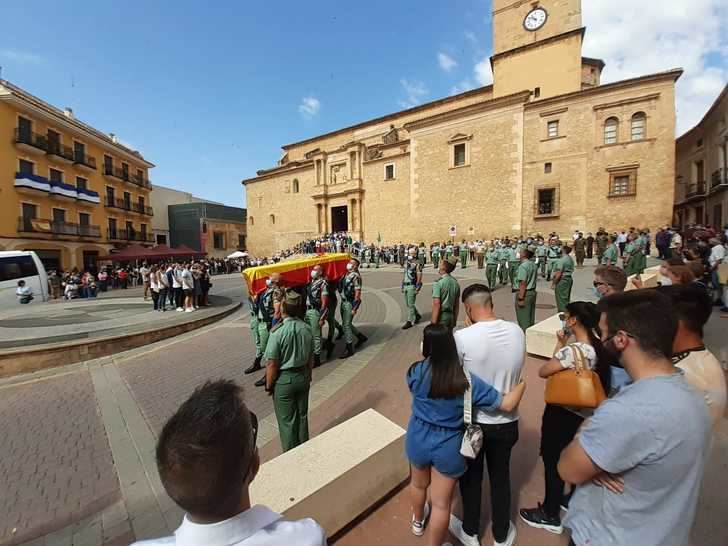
(446, 295)
(289, 368)
(350, 289)
(526, 278)
(463, 254)
(317, 309)
(411, 285)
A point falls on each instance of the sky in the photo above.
(210, 91)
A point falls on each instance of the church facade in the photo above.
(546, 148)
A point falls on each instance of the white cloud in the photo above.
(465, 85)
(483, 73)
(415, 91)
(309, 106)
(447, 63)
(21, 57)
(471, 37)
(638, 38)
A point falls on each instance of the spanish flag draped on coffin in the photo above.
(297, 272)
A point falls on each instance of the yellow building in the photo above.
(546, 148)
(702, 169)
(67, 191)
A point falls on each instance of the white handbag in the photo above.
(473, 435)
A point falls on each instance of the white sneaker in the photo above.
(418, 527)
(189, 310)
(456, 529)
(180, 309)
(510, 538)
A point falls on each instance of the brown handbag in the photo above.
(579, 387)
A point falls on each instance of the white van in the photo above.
(24, 265)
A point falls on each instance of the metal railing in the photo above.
(130, 235)
(53, 227)
(83, 159)
(30, 138)
(116, 172)
(719, 177)
(59, 150)
(128, 205)
(696, 189)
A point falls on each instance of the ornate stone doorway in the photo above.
(339, 219)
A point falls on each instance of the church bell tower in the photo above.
(537, 47)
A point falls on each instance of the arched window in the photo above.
(611, 131)
(272, 218)
(295, 185)
(639, 121)
(251, 220)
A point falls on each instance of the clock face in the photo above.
(535, 19)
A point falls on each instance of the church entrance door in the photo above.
(339, 219)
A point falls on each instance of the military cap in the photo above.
(452, 260)
(292, 298)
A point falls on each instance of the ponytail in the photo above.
(588, 315)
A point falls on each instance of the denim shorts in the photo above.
(430, 445)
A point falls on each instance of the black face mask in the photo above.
(614, 353)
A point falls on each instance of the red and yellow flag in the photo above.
(296, 272)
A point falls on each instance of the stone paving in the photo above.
(112, 409)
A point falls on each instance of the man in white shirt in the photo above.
(675, 243)
(207, 459)
(717, 257)
(177, 286)
(144, 272)
(494, 350)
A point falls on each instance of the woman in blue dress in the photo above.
(435, 431)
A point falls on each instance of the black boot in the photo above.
(418, 318)
(329, 349)
(407, 325)
(260, 382)
(255, 367)
(340, 333)
(361, 340)
(349, 351)
(316, 361)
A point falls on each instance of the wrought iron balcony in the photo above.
(52, 227)
(696, 190)
(719, 180)
(84, 161)
(121, 174)
(59, 150)
(130, 235)
(31, 140)
(142, 209)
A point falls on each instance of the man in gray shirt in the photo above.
(638, 461)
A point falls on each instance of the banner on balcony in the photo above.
(40, 224)
(66, 190)
(33, 182)
(296, 272)
(88, 195)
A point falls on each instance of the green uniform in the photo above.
(629, 258)
(448, 251)
(503, 264)
(436, 257)
(513, 263)
(610, 255)
(541, 258)
(562, 291)
(349, 285)
(331, 315)
(421, 256)
(463, 256)
(447, 290)
(480, 255)
(553, 253)
(527, 273)
(266, 311)
(290, 346)
(253, 304)
(602, 242)
(410, 286)
(315, 291)
(491, 268)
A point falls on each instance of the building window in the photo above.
(389, 172)
(295, 185)
(81, 183)
(272, 218)
(84, 219)
(59, 216)
(125, 171)
(623, 183)
(638, 126)
(161, 238)
(55, 175)
(218, 240)
(108, 164)
(552, 128)
(251, 220)
(547, 168)
(459, 155)
(112, 227)
(241, 241)
(611, 131)
(143, 230)
(110, 196)
(127, 200)
(546, 202)
(26, 167)
(537, 92)
(79, 152)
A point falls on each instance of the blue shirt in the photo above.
(446, 412)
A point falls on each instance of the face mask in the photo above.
(349, 267)
(665, 281)
(597, 294)
(565, 328)
(268, 282)
(314, 274)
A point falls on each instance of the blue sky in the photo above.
(210, 91)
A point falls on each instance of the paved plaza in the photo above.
(77, 464)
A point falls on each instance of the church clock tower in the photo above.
(536, 47)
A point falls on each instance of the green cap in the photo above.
(292, 298)
(452, 260)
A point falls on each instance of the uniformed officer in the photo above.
(422, 255)
(331, 319)
(480, 254)
(317, 308)
(503, 263)
(602, 241)
(435, 255)
(491, 267)
(611, 253)
(580, 249)
(553, 253)
(513, 263)
(526, 276)
(449, 251)
(253, 305)
(367, 257)
(563, 280)
(350, 288)
(269, 314)
(541, 257)
(463, 254)
(446, 295)
(411, 285)
(288, 373)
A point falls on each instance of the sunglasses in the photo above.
(597, 284)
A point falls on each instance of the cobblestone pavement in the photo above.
(97, 422)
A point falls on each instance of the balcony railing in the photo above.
(130, 235)
(696, 190)
(142, 209)
(59, 150)
(116, 172)
(43, 225)
(719, 178)
(85, 160)
(128, 205)
(30, 138)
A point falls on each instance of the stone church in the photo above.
(545, 148)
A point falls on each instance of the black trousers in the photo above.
(178, 298)
(498, 441)
(558, 428)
